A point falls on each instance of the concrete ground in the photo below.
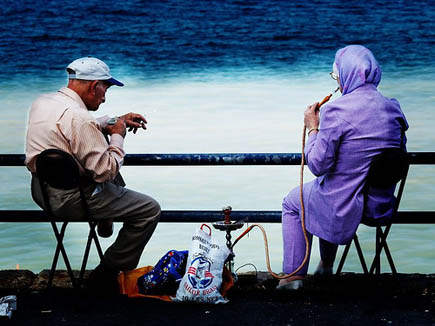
(349, 299)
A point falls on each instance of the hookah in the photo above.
(227, 225)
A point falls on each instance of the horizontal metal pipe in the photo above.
(187, 159)
(215, 159)
(421, 157)
(12, 159)
(206, 216)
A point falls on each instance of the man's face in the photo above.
(97, 95)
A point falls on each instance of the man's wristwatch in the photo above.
(112, 121)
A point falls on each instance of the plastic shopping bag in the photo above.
(203, 277)
(165, 276)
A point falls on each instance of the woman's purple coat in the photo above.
(353, 129)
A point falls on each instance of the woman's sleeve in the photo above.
(322, 147)
(403, 122)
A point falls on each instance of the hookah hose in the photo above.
(301, 197)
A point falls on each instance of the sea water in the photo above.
(214, 77)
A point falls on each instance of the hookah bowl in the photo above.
(227, 225)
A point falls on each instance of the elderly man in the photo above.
(62, 121)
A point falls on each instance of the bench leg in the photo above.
(381, 243)
(60, 248)
(91, 236)
(343, 258)
(360, 254)
(377, 259)
(98, 246)
(85, 259)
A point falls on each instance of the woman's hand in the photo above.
(311, 116)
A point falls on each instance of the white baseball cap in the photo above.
(90, 68)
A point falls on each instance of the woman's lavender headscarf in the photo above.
(356, 66)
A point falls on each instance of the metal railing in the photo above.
(215, 159)
(218, 159)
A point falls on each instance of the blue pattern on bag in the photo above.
(166, 275)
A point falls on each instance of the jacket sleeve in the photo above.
(403, 123)
(321, 149)
(100, 159)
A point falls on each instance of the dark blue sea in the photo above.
(161, 39)
(214, 77)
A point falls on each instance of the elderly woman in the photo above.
(343, 138)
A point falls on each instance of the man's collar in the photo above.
(72, 94)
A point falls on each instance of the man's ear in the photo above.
(93, 86)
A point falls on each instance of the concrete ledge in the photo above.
(27, 280)
(16, 279)
(348, 299)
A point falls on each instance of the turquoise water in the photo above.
(214, 77)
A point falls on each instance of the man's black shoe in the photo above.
(103, 281)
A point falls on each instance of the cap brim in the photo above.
(113, 81)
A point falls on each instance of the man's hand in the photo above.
(134, 121)
(311, 116)
(118, 128)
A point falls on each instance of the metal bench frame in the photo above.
(59, 170)
(382, 231)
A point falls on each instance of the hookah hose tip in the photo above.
(327, 98)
